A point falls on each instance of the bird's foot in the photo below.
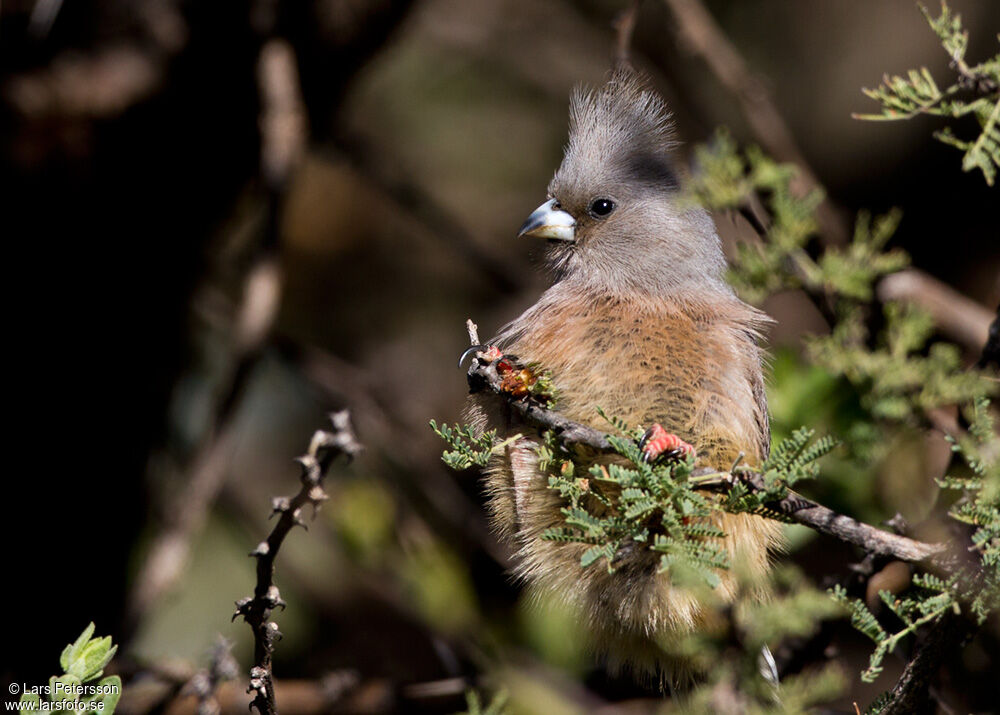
(657, 442)
(484, 353)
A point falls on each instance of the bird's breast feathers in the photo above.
(694, 368)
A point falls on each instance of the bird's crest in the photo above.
(623, 129)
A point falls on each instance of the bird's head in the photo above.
(615, 218)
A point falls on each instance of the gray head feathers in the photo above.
(621, 132)
(634, 235)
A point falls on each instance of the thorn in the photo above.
(273, 598)
(279, 505)
(242, 608)
(341, 420)
(317, 495)
(273, 633)
(310, 467)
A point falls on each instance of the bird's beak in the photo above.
(548, 221)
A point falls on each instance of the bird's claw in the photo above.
(486, 353)
(657, 442)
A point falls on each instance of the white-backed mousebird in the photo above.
(639, 321)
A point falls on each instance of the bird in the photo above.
(640, 321)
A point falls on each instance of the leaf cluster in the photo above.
(496, 706)
(975, 91)
(792, 460)
(752, 182)
(897, 372)
(633, 503)
(979, 505)
(82, 662)
(930, 598)
(900, 377)
(468, 448)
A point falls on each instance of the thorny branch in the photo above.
(323, 449)
(484, 377)
(205, 683)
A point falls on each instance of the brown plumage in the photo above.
(640, 322)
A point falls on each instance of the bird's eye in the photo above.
(601, 207)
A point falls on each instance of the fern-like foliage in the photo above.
(979, 505)
(728, 179)
(795, 458)
(900, 377)
(898, 374)
(931, 598)
(468, 449)
(791, 461)
(634, 503)
(474, 704)
(976, 92)
(631, 503)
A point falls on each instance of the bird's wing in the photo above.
(760, 410)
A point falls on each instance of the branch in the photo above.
(323, 449)
(624, 26)
(706, 38)
(960, 318)
(483, 376)
(911, 692)
(383, 174)
(205, 683)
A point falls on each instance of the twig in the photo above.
(704, 36)
(282, 122)
(826, 521)
(624, 26)
(205, 683)
(484, 376)
(960, 318)
(418, 204)
(323, 449)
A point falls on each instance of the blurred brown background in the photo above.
(149, 237)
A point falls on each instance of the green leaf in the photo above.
(72, 651)
(109, 690)
(594, 553)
